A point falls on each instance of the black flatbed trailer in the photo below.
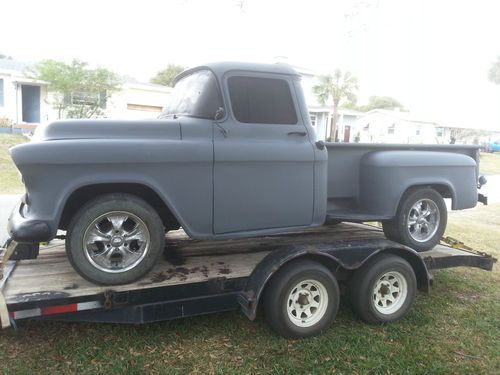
(200, 277)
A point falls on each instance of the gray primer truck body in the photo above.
(228, 178)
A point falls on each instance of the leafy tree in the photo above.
(494, 73)
(78, 91)
(381, 102)
(336, 88)
(166, 76)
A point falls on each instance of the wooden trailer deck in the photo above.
(50, 276)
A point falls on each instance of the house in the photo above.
(393, 126)
(27, 102)
(137, 100)
(23, 100)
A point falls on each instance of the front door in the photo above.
(264, 160)
(347, 134)
(31, 103)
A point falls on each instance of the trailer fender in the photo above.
(344, 255)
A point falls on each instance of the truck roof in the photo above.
(220, 68)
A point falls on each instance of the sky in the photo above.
(432, 56)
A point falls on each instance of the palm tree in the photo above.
(336, 87)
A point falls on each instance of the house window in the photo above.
(261, 100)
(1, 92)
(440, 132)
(88, 98)
(390, 129)
(417, 132)
(313, 120)
(366, 127)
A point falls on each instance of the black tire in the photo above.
(277, 293)
(364, 283)
(110, 203)
(397, 229)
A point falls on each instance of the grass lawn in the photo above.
(454, 329)
(490, 163)
(10, 182)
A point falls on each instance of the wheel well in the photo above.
(338, 271)
(84, 194)
(443, 190)
(416, 263)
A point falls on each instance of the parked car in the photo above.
(494, 146)
(233, 155)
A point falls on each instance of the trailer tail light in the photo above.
(52, 310)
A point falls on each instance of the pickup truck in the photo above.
(233, 155)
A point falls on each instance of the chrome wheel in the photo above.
(116, 241)
(390, 292)
(423, 220)
(307, 303)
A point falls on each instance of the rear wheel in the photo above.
(383, 289)
(115, 239)
(302, 299)
(420, 220)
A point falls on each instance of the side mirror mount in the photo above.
(219, 114)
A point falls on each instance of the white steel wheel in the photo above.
(301, 299)
(307, 303)
(390, 292)
(383, 289)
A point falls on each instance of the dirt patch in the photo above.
(179, 272)
(225, 271)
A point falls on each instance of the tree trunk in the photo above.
(333, 128)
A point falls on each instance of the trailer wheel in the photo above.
(302, 299)
(420, 220)
(115, 239)
(383, 289)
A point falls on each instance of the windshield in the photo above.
(195, 95)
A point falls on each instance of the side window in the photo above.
(261, 100)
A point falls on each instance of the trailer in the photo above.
(295, 278)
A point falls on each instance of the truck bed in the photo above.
(31, 287)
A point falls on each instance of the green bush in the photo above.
(6, 122)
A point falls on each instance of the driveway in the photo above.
(492, 188)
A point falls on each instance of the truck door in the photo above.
(263, 157)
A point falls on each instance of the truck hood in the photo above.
(108, 129)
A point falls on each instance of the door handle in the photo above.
(302, 134)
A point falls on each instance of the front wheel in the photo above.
(114, 239)
(302, 299)
(420, 220)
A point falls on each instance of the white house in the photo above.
(22, 99)
(392, 126)
(27, 102)
(138, 100)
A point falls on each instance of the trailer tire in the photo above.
(115, 239)
(411, 226)
(289, 297)
(383, 289)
